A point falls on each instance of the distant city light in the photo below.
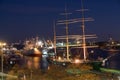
(36, 51)
(2, 44)
(59, 58)
(44, 51)
(40, 43)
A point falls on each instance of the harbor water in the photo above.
(112, 59)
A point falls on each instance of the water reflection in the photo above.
(33, 62)
(36, 61)
(112, 62)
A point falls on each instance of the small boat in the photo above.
(112, 50)
(111, 46)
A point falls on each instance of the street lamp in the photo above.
(2, 44)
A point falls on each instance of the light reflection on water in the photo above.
(113, 62)
(33, 62)
(36, 61)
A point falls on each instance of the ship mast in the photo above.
(66, 22)
(67, 42)
(54, 38)
(83, 29)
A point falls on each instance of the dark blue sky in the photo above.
(21, 19)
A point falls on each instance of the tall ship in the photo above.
(65, 43)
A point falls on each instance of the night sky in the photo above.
(22, 19)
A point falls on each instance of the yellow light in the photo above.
(59, 58)
(48, 67)
(77, 61)
(36, 51)
(2, 44)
